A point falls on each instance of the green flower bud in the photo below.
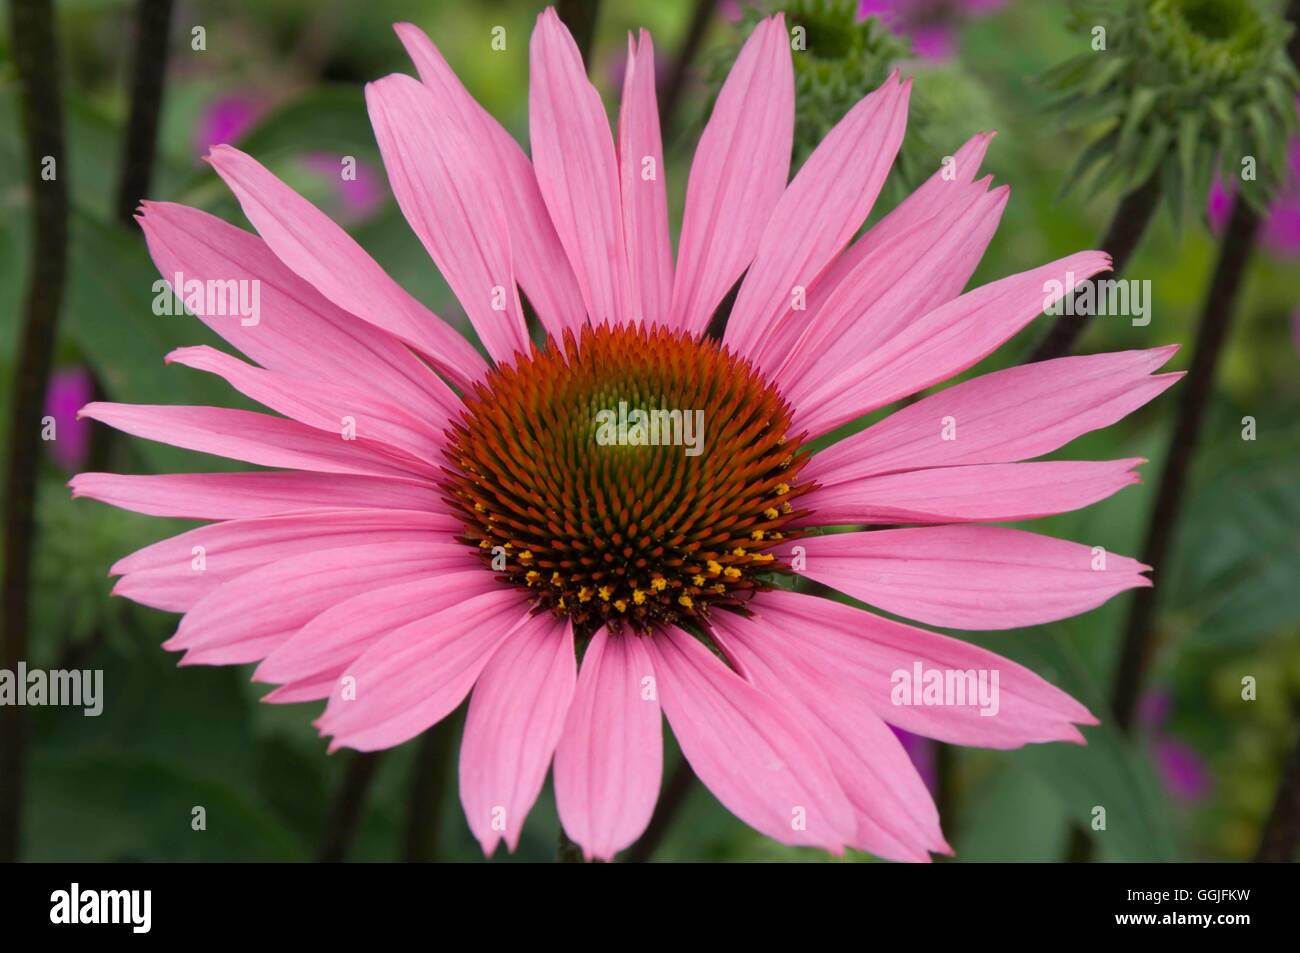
(1176, 88)
(838, 59)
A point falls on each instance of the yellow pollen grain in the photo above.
(532, 576)
(685, 600)
(584, 594)
(731, 572)
(738, 551)
(697, 580)
(556, 579)
(782, 489)
(638, 596)
(526, 556)
(620, 605)
(771, 513)
(560, 604)
(484, 544)
(719, 588)
(713, 566)
(604, 592)
(757, 534)
(787, 508)
(763, 557)
(479, 508)
(658, 583)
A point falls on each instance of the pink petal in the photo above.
(417, 675)
(872, 655)
(939, 345)
(540, 263)
(749, 749)
(840, 181)
(645, 200)
(610, 756)
(970, 577)
(245, 618)
(325, 647)
(308, 690)
(896, 817)
(738, 175)
(327, 406)
(993, 492)
(224, 496)
(577, 171)
(922, 269)
(515, 718)
(1008, 415)
(927, 213)
(254, 438)
(299, 332)
(169, 574)
(932, 198)
(316, 249)
(453, 205)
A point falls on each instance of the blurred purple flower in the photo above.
(931, 24)
(1181, 768)
(360, 196)
(224, 120)
(1280, 233)
(70, 389)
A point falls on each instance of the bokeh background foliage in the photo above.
(283, 79)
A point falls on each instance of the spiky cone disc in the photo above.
(606, 530)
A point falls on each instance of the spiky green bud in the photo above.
(1176, 88)
(838, 59)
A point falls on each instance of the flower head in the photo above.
(438, 524)
(1178, 88)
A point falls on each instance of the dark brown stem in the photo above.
(152, 26)
(1280, 841)
(345, 812)
(686, 53)
(1135, 212)
(429, 777)
(580, 17)
(35, 52)
(674, 795)
(1194, 396)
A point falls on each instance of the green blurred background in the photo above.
(284, 80)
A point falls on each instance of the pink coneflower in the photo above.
(419, 539)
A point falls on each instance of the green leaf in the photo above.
(1232, 582)
(1111, 771)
